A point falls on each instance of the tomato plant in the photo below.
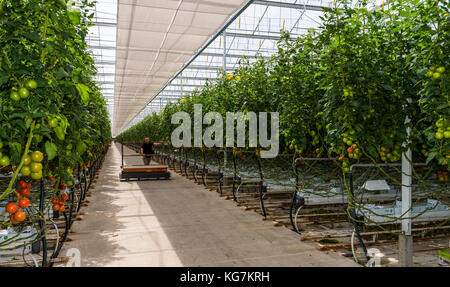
(49, 100)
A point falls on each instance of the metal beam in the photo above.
(254, 36)
(289, 5)
(105, 24)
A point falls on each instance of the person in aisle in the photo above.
(147, 150)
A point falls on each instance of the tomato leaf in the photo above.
(83, 90)
(50, 149)
(60, 133)
(16, 151)
(431, 155)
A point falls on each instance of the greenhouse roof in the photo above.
(154, 40)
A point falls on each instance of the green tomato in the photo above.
(15, 96)
(447, 134)
(27, 160)
(53, 123)
(26, 170)
(436, 75)
(36, 175)
(36, 167)
(24, 93)
(439, 123)
(4, 161)
(439, 135)
(440, 70)
(37, 156)
(31, 84)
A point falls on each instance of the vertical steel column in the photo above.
(405, 241)
(181, 84)
(225, 51)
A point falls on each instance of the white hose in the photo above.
(57, 233)
(352, 243)
(34, 260)
(295, 218)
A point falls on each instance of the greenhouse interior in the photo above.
(239, 133)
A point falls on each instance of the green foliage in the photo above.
(45, 42)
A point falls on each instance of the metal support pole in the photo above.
(405, 239)
(225, 51)
(181, 84)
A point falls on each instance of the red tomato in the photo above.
(11, 208)
(62, 208)
(24, 202)
(13, 220)
(20, 216)
(25, 192)
(23, 184)
(56, 207)
(64, 196)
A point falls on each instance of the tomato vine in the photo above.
(53, 117)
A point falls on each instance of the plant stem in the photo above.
(16, 172)
(44, 36)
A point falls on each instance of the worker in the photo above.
(147, 150)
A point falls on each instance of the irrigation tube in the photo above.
(262, 188)
(355, 224)
(296, 191)
(235, 178)
(221, 170)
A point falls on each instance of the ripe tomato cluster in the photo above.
(23, 201)
(58, 202)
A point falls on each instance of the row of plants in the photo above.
(53, 117)
(370, 83)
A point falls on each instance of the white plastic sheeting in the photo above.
(255, 30)
(154, 39)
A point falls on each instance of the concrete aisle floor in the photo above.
(179, 223)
